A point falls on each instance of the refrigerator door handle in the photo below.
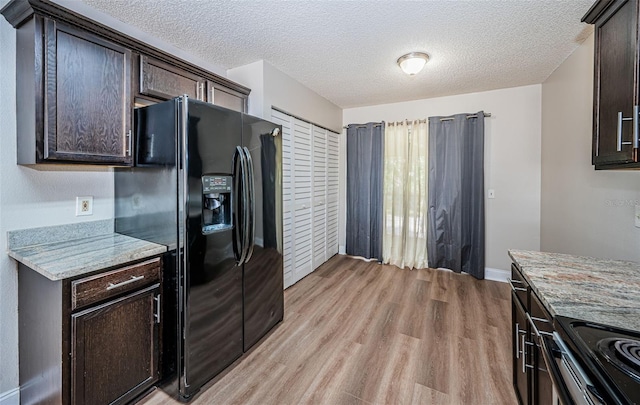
(239, 215)
(250, 226)
(246, 207)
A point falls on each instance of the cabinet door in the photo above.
(615, 90)
(87, 98)
(520, 338)
(164, 82)
(114, 353)
(542, 388)
(226, 98)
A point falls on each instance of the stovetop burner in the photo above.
(622, 353)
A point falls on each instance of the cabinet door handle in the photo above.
(524, 355)
(129, 141)
(636, 129)
(133, 279)
(156, 315)
(620, 119)
(525, 366)
(513, 287)
(517, 341)
(531, 320)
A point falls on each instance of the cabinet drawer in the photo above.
(519, 286)
(92, 289)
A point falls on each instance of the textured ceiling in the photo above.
(346, 51)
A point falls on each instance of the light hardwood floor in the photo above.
(358, 333)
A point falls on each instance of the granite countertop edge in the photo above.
(62, 260)
(581, 287)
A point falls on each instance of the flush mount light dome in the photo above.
(413, 62)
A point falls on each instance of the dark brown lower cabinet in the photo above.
(531, 380)
(114, 352)
(539, 323)
(520, 338)
(93, 339)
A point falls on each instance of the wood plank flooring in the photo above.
(363, 333)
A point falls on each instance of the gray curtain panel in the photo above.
(364, 190)
(456, 238)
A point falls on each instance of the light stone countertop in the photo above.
(597, 290)
(73, 250)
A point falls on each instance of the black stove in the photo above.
(609, 355)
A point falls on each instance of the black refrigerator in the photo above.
(207, 183)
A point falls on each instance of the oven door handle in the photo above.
(551, 352)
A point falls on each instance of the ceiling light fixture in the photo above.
(413, 62)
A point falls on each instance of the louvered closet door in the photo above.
(310, 195)
(319, 196)
(287, 190)
(333, 161)
(301, 162)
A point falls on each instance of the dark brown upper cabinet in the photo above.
(162, 81)
(73, 96)
(225, 97)
(76, 85)
(87, 99)
(616, 120)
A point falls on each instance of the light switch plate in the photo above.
(84, 206)
(491, 193)
(637, 216)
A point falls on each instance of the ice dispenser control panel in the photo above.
(216, 203)
(216, 184)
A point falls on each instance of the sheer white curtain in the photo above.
(405, 206)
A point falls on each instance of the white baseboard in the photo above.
(496, 274)
(342, 250)
(11, 397)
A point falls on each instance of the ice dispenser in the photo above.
(216, 203)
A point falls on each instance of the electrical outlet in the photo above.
(637, 216)
(84, 206)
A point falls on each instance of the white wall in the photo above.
(32, 198)
(584, 211)
(285, 93)
(272, 88)
(252, 76)
(512, 159)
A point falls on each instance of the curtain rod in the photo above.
(425, 120)
(468, 116)
(362, 126)
(408, 122)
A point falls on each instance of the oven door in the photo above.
(571, 384)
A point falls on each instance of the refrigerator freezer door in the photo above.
(213, 281)
(263, 272)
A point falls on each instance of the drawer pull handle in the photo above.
(513, 287)
(538, 332)
(133, 279)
